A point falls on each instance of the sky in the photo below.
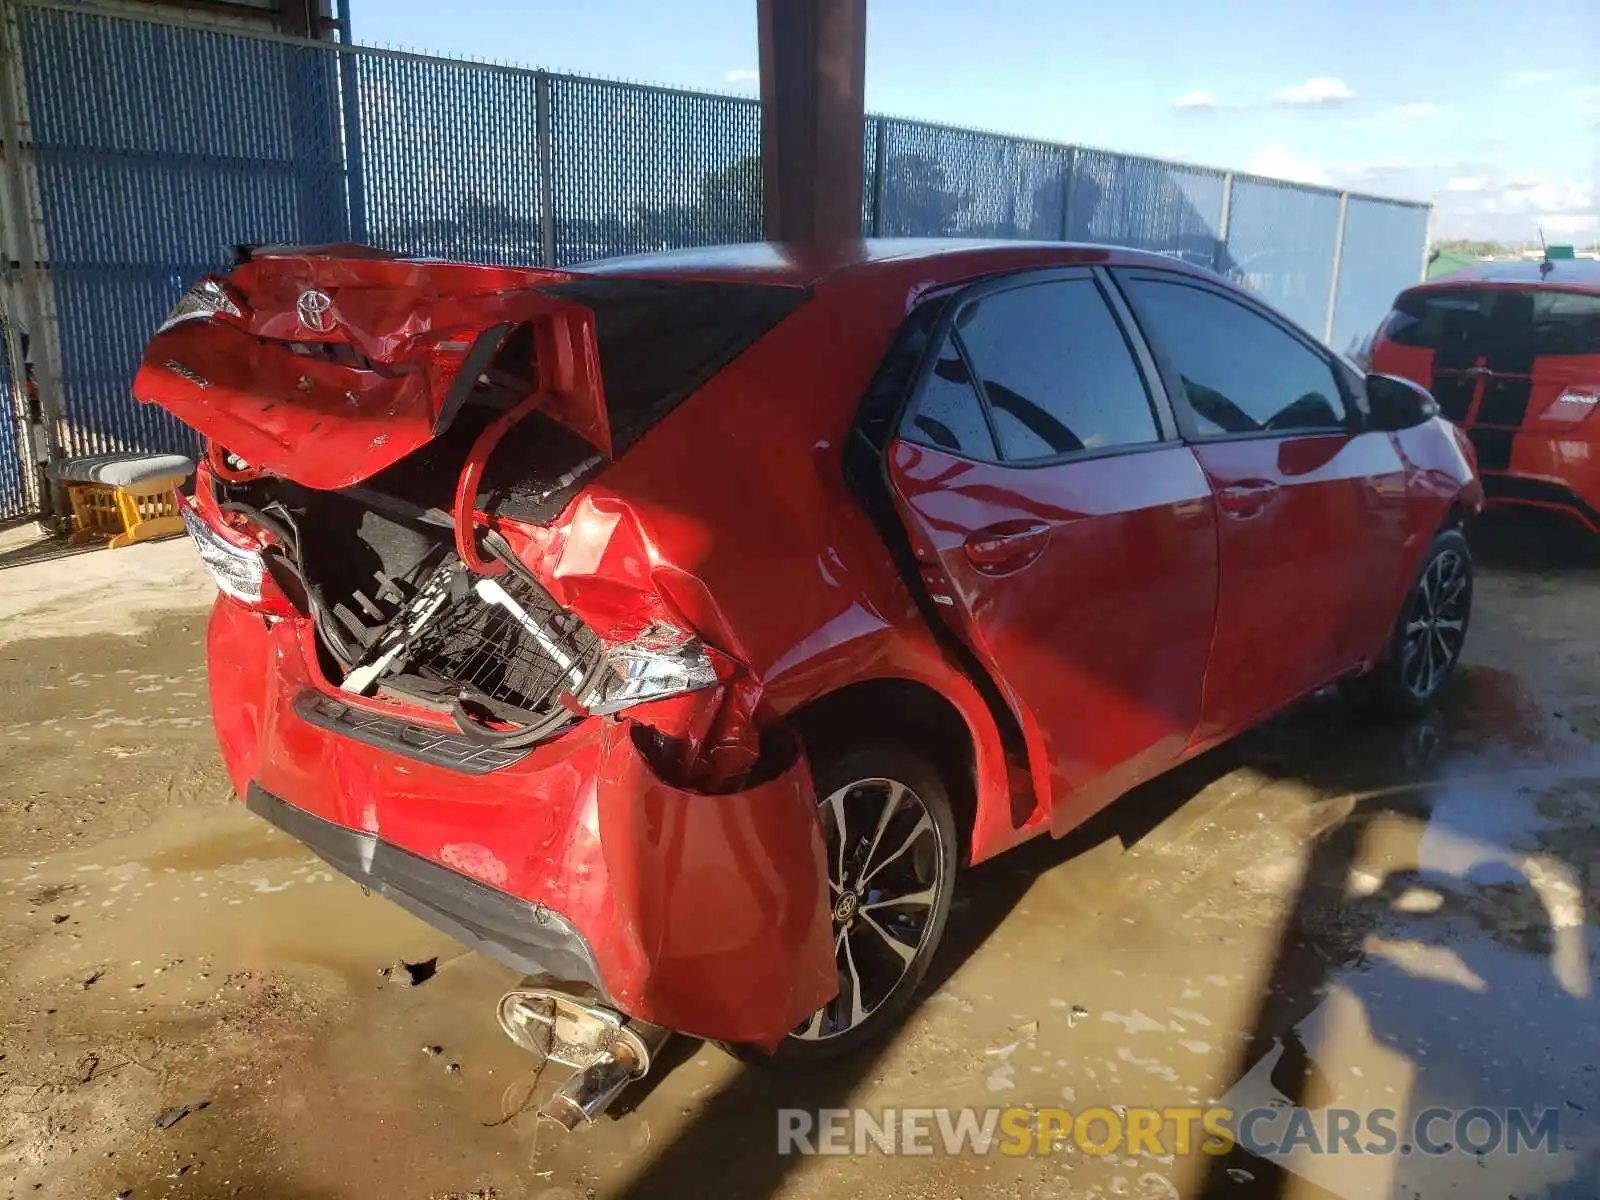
(1491, 108)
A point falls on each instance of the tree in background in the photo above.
(917, 201)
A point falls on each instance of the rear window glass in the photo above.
(1487, 320)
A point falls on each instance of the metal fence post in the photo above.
(19, 200)
(878, 158)
(547, 183)
(1220, 257)
(1427, 243)
(349, 68)
(1072, 195)
(1338, 258)
(1069, 175)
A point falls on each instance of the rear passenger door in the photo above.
(1066, 532)
(1311, 509)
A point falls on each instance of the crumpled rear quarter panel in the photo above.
(705, 913)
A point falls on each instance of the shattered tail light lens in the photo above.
(240, 571)
(661, 662)
(200, 303)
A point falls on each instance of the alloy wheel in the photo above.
(1436, 626)
(887, 871)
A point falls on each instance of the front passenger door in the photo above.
(1311, 509)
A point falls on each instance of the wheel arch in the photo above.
(911, 711)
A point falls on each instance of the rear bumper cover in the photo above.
(1540, 493)
(706, 914)
(527, 936)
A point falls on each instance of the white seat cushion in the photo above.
(124, 470)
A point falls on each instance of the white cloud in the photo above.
(741, 75)
(1515, 209)
(1466, 183)
(1319, 89)
(1587, 99)
(1529, 78)
(1277, 161)
(1203, 99)
(1415, 112)
(1575, 223)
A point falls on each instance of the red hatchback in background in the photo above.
(674, 628)
(1511, 351)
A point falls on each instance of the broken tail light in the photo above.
(236, 561)
(203, 301)
(662, 661)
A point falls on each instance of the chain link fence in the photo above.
(157, 145)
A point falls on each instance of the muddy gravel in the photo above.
(1327, 912)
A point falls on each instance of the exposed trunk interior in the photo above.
(400, 617)
(422, 397)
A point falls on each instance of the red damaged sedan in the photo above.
(675, 628)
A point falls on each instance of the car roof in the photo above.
(807, 265)
(1563, 272)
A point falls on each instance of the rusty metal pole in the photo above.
(813, 72)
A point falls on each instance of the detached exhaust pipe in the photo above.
(605, 1049)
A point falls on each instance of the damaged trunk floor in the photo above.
(1324, 913)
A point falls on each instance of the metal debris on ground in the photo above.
(411, 974)
(168, 1117)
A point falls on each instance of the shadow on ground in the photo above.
(1391, 776)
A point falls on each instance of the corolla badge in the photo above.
(316, 310)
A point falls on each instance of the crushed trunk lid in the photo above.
(328, 366)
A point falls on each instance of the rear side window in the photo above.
(1054, 370)
(660, 341)
(1497, 321)
(1241, 372)
(949, 413)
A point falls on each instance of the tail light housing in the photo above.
(206, 299)
(236, 559)
(662, 661)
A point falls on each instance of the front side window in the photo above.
(1055, 370)
(1241, 372)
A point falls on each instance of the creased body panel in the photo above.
(705, 913)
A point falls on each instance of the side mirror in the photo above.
(1396, 403)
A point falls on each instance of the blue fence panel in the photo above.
(159, 145)
(157, 148)
(1147, 204)
(1382, 256)
(640, 168)
(940, 182)
(448, 157)
(1280, 246)
(14, 498)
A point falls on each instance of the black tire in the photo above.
(916, 852)
(1426, 642)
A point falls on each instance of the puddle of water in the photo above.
(226, 848)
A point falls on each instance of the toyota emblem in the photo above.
(316, 311)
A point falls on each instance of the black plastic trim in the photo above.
(527, 936)
(477, 362)
(1516, 488)
(425, 744)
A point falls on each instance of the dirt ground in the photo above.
(1326, 913)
